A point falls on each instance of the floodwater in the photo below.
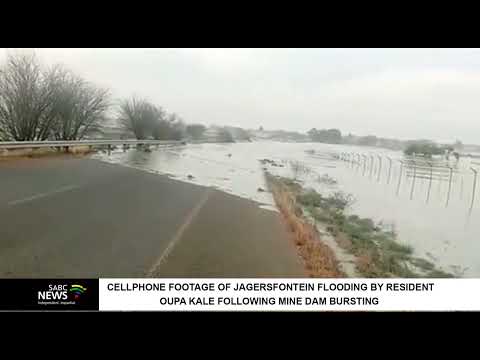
(432, 208)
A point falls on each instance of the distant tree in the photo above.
(458, 145)
(242, 134)
(330, 136)
(169, 127)
(162, 130)
(334, 136)
(139, 116)
(424, 149)
(225, 136)
(312, 133)
(195, 131)
(369, 140)
(238, 133)
(178, 127)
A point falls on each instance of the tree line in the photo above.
(409, 147)
(40, 103)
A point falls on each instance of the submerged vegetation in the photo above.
(377, 251)
(426, 149)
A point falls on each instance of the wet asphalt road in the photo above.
(78, 217)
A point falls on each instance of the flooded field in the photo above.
(432, 206)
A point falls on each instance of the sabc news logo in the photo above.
(62, 292)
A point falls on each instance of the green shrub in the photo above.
(311, 198)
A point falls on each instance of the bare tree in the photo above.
(139, 116)
(177, 127)
(26, 96)
(38, 103)
(195, 131)
(79, 107)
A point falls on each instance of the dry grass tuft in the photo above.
(319, 259)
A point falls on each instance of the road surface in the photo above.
(78, 217)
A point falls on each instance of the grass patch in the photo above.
(310, 199)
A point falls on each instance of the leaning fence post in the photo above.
(371, 166)
(379, 166)
(413, 181)
(430, 182)
(449, 186)
(389, 169)
(400, 177)
(474, 187)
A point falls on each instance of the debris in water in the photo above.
(270, 162)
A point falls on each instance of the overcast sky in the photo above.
(402, 93)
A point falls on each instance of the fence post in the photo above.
(461, 188)
(474, 187)
(449, 186)
(371, 166)
(413, 181)
(400, 177)
(430, 182)
(379, 167)
(389, 169)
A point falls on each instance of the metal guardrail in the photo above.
(40, 144)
